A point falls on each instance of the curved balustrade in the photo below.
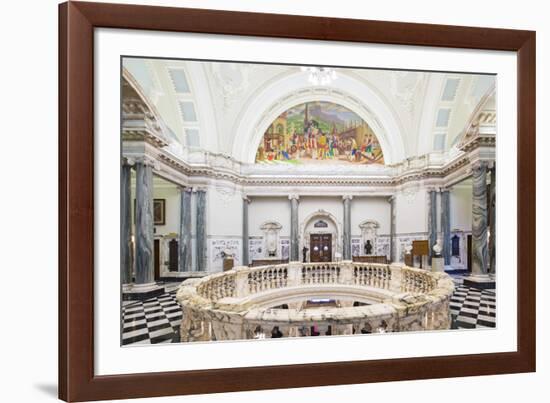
(228, 306)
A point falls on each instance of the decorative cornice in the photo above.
(479, 140)
(425, 168)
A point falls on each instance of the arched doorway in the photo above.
(321, 236)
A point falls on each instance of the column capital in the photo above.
(147, 161)
(247, 199)
(199, 188)
(480, 164)
(128, 161)
(294, 197)
(391, 199)
(347, 197)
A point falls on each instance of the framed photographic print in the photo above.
(310, 198)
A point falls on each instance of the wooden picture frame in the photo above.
(77, 21)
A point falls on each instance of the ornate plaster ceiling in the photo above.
(224, 107)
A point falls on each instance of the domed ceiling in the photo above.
(238, 109)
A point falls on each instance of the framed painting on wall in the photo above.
(311, 153)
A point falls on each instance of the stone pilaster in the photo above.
(446, 225)
(294, 236)
(200, 243)
(346, 244)
(144, 223)
(185, 253)
(432, 222)
(479, 218)
(393, 253)
(246, 202)
(125, 223)
(492, 220)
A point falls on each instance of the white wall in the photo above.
(263, 209)
(224, 224)
(411, 212)
(224, 206)
(461, 208)
(172, 196)
(370, 208)
(309, 205)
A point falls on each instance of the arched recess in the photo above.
(293, 89)
(484, 114)
(132, 93)
(131, 82)
(334, 228)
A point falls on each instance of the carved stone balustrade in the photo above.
(245, 302)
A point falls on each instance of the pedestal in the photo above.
(438, 264)
(228, 263)
(141, 292)
(483, 282)
(408, 260)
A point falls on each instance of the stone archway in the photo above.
(333, 227)
(275, 98)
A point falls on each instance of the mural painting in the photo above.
(319, 132)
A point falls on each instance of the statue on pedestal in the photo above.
(304, 254)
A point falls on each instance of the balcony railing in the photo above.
(232, 304)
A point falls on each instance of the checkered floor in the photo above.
(157, 320)
(154, 321)
(472, 308)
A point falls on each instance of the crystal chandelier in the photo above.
(320, 75)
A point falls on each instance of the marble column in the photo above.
(346, 253)
(294, 236)
(144, 223)
(432, 222)
(200, 242)
(492, 219)
(446, 225)
(125, 223)
(246, 202)
(184, 263)
(479, 218)
(393, 253)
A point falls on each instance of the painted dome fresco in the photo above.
(319, 133)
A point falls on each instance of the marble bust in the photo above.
(437, 248)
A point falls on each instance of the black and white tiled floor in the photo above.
(157, 320)
(472, 308)
(154, 321)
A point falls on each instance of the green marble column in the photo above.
(125, 223)
(144, 223)
(201, 230)
(446, 225)
(346, 240)
(185, 230)
(294, 236)
(479, 219)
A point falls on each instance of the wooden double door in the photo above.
(320, 248)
